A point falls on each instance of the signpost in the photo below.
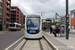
(67, 20)
(67, 16)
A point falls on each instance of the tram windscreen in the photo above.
(12, 25)
(33, 23)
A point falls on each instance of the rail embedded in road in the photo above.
(36, 45)
(32, 45)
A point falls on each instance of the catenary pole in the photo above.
(67, 21)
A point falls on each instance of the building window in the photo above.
(0, 13)
(4, 21)
(0, 6)
(5, 4)
(72, 15)
(13, 8)
(0, 20)
(1, 1)
(5, 15)
(5, 9)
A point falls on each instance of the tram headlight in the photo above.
(39, 30)
(26, 30)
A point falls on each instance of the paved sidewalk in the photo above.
(72, 30)
(60, 42)
(3, 32)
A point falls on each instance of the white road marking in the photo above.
(51, 43)
(14, 43)
(19, 46)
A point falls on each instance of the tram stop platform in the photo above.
(61, 43)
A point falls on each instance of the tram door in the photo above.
(0, 27)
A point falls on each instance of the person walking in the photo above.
(69, 28)
(51, 30)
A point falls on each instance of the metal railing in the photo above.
(7, 21)
(7, 16)
(13, 13)
(13, 9)
(8, 6)
(7, 11)
(8, 1)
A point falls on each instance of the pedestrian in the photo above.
(69, 28)
(56, 30)
(51, 30)
(45, 28)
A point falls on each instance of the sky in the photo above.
(47, 7)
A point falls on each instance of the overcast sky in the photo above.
(49, 7)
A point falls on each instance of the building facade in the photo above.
(16, 15)
(72, 17)
(23, 21)
(5, 13)
(63, 20)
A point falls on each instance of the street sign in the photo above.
(67, 16)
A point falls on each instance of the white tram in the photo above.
(14, 26)
(33, 27)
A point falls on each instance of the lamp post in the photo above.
(67, 20)
(56, 14)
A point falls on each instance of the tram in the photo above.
(14, 26)
(33, 27)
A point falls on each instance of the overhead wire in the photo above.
(65, 9)
(33, 4)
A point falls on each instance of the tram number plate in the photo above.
(34, 31)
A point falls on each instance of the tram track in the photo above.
(33, 45)
(23, 45)
(41, 47)
(44, 45)
(39, 44)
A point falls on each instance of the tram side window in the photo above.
(18, 26)
(12, 25)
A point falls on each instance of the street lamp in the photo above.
(56, 14)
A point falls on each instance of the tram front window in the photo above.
(33, 23)
(12, 25)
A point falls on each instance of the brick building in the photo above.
(24, 19)
(16, 15)
(5, 13)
